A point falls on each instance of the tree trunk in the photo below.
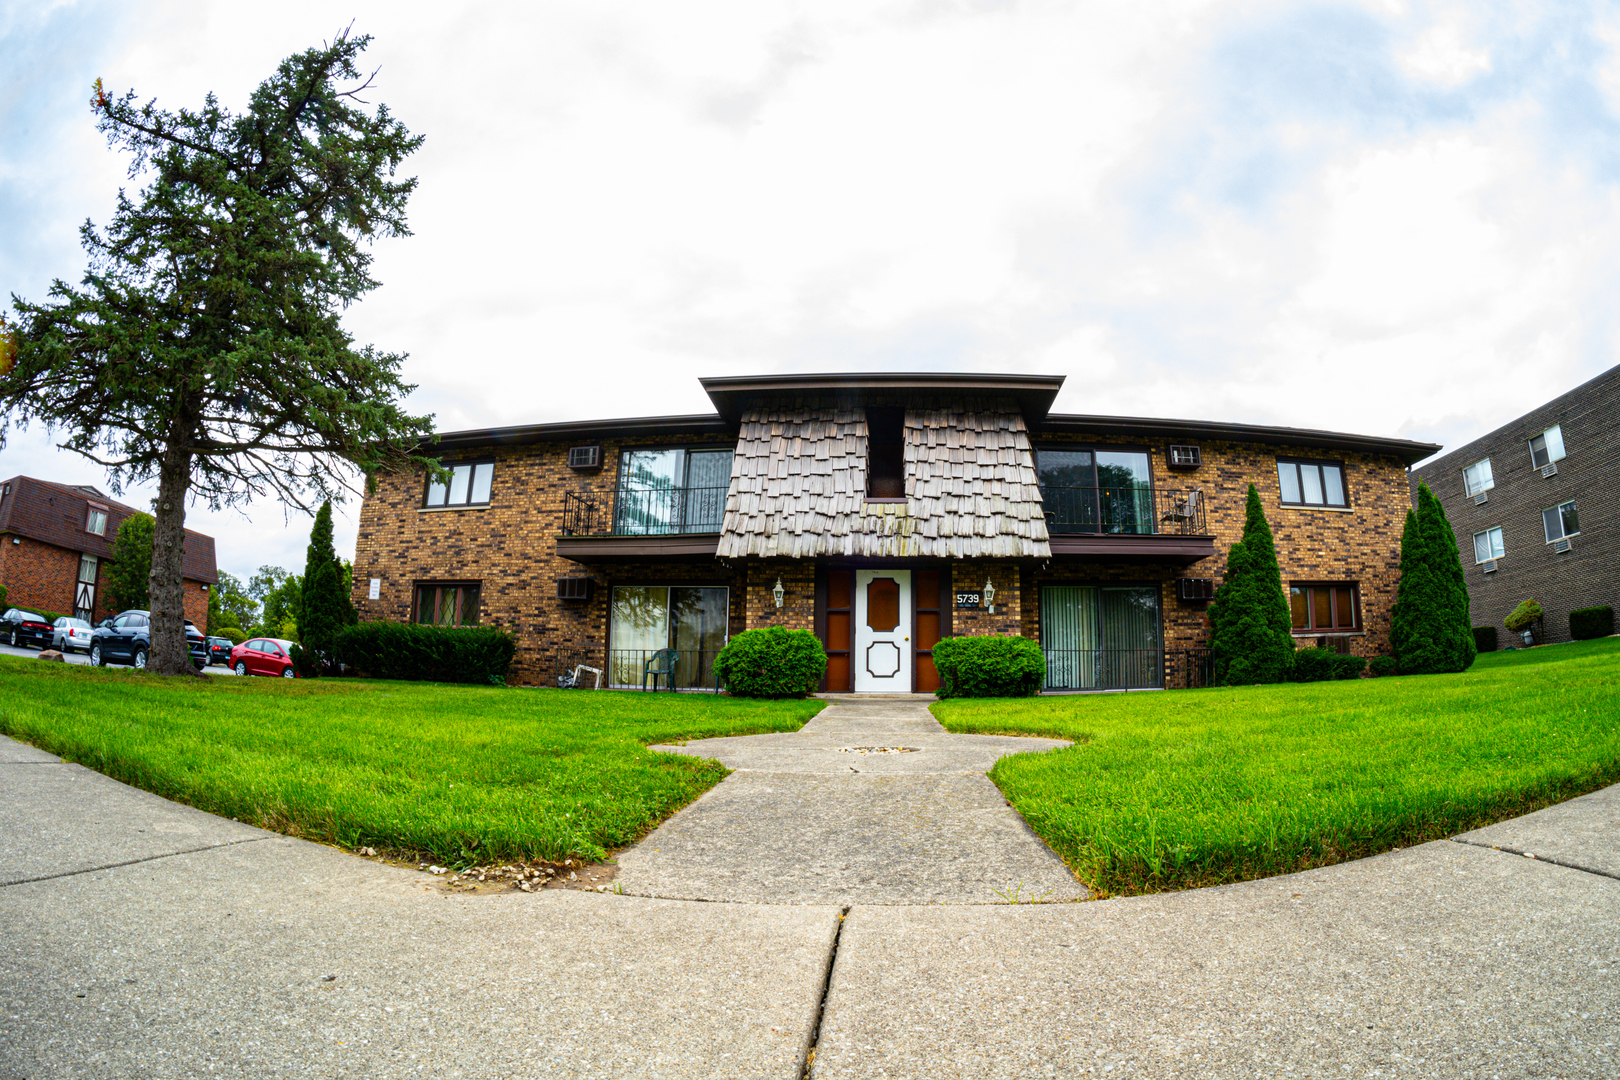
(170, 653)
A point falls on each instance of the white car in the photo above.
(68, 633)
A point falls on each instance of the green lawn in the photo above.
(1200, 787)
(455, 774)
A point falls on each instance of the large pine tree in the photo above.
(1251, 639)
(324, 608)
(1429, 626)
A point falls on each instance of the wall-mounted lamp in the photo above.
(778, 593)
(989, 597)
(16, 539)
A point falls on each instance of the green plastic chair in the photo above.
(662, 663)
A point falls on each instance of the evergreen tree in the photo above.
(1430, 630)
(323, 606)
(129, 576)
(1251, 639)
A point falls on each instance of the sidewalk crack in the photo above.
(826, 988)
(1539, 858)
(137, 862)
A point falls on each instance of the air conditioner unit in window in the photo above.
(1561, 546)
(1482, 498)
(574, 588)
(1489, 566)
(1184, 457)
(1549, 470)
(1195, 589)
(584, 457)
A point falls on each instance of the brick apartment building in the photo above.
(1536, 508)
(883, 512)
(56, 541)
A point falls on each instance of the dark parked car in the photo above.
(126, 639)
(22, 628)
(219, 650)
(263, 656)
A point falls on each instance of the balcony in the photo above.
(672, 523)
(1139, 523)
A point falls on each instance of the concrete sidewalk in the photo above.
(227, 951)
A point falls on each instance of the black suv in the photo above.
(22, 627)
(126, 638)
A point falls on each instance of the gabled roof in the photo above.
(55, 514)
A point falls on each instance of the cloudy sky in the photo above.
(1380, 217)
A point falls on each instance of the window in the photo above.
(453, 604)
(96, 520)
(1488, 545)
(1325, 606)
(1096, 491)
(469, 485)
(885, 453)
(84, 594)
(1101, 637)
(646, 618)
(1560, 521)
(666, 490)
(1477, 478)
(1547, 447)
(1311, 483)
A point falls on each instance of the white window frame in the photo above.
(95, 519)
(1493, 542)
(1552, 444)
(1559, 511)
(1472, 484)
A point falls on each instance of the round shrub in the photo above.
(771, 662)
(1591, 622)
(1485, 638)
(231, 634)
(1523, 616)
(989, 667)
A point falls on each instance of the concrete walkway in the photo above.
(143, 939)
(872, 802)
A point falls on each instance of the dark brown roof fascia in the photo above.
(605, 549)
(734, 394)
(1184, 550)
(575, 430)
(1138, 427)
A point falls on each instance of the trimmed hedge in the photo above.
(1379, 666)
(1521, 617)
(230, 634)
(1317, 664)
(771, 662)
(1591, 622)
(982, 667)
(1485, 638)
(417, 653)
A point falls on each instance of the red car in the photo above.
(263, 656)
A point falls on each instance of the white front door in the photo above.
(882, 631)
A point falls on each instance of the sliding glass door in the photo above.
(691, 620)
(666, 490)
(1101, 637)
(1096, 491)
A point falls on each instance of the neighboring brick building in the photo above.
(1536, 508)
(55, 542)
(882, 505)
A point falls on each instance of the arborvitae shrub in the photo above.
(1379, 666)
(419, 653)
(1251, 639)
(1429, 626)
(1523, 616)
(771, 662)
(1485, 639)
(1591, 622)
(989, 667)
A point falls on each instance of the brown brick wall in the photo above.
(1007, 618)
(798, 610)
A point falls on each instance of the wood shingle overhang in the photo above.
(1139, 428)
(56, 514)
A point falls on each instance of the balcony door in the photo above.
(1096, 491)
(1101, 637)
(883, 659)
(665, 490)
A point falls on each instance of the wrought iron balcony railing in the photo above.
(644, 511)
(1141, 511)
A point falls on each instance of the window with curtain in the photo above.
(447, 604)
(1088, 490)
(665, 490)
(1311, 483)
(1477, 478)
(1101, 637)
(692, 620)
(1325, 606)
(1488, 545)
